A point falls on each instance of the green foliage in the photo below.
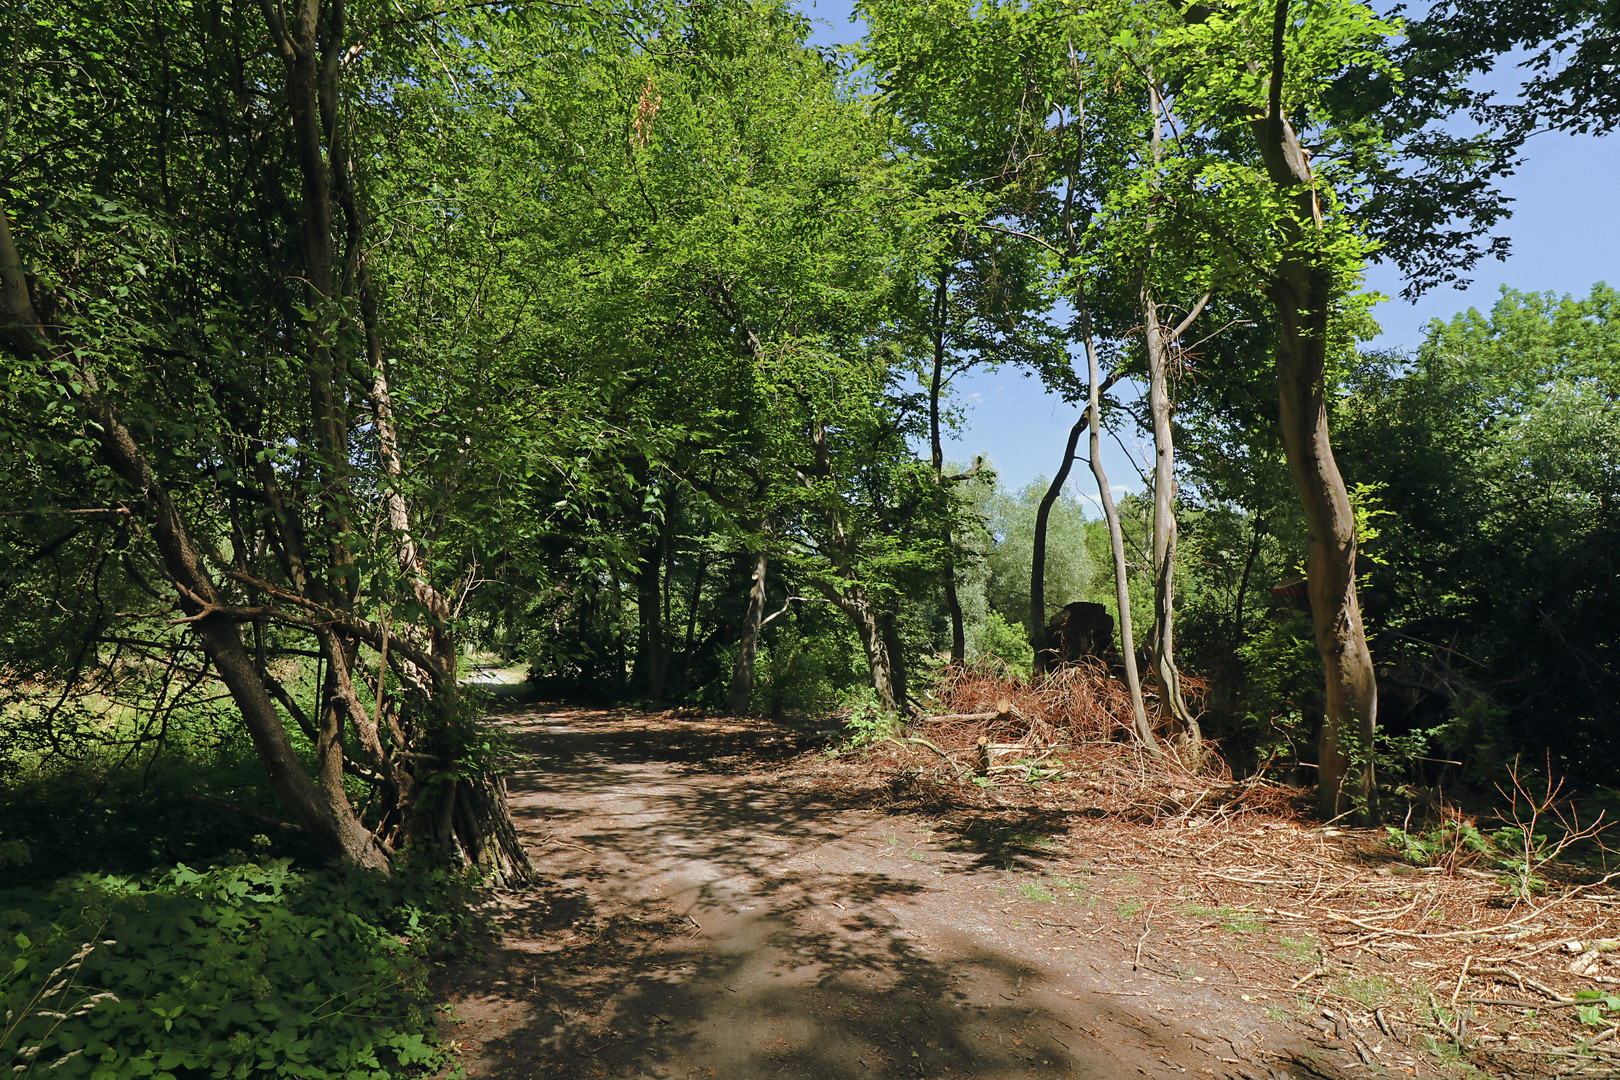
(1511, 849)
(1599, 1009)
(798, 672)
(865, 721)
(1519, 850)
(1282, 683)
(129, 814)
(1488, 447)
(1440, 844)
(996, 638)
(255, 969)
(998, 582)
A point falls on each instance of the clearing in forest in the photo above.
(724, 898)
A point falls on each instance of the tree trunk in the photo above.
(652, 644)
(1243, 582)
(849, 596)
(1159, 341)
(1037, 563)
(1162, 637)
(895, 649)
(854, 603)
(470, 820)
(1351, 698)
(952, 602)
(1302, 293)
(329, 820)
(1116, 537)
(742, 673)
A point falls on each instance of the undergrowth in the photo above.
(154, 923)
(258, 969)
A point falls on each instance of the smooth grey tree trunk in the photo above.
(1161, 638)
(953, 603)
(1116, 541)
(1159, 341)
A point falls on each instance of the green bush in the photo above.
(256, 969)
(1007, 642)
(865, 721)
(800, 672)
(1282, 687)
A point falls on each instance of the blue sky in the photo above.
(1565, 230)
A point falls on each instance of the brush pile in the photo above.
(1072, 734)
(1079, 703)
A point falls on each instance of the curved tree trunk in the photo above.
(1302, 293)
(472, 821)
(1116, 540)
(1159, 341)
(854, 603)
(323, 814)
(1037, 563)
(1161, 639)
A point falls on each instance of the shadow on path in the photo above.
(699, 919)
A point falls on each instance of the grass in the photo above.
(1128, 909)
(1033, 890)
(1230, 919)
(1074, 890)
(1296, 948)
(1371, 991)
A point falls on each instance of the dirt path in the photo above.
(703, 915)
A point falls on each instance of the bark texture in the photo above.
(327, 818)
(853, 601)
(846, 592)
(1302, 293)
(1116, 543)
(742, 673)
(953, 603)
(1161, 639)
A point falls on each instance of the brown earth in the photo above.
(715, 901)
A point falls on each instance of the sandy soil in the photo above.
(707, 909)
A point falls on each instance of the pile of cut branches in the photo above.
(1072, 733)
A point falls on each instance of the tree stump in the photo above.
(1079, 631)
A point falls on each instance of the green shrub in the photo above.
(866, 721)
(1282, 685)
(1007, 642)
(800, 672)
(256, 969)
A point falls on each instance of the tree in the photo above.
(1567, 49)
(984, 320)
(993, 130)
(1487, 449)
(241, 397)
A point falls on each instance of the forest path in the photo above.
(700, 914)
